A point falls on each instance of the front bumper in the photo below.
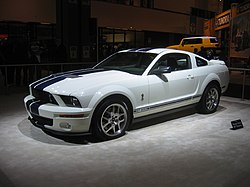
(58, 119)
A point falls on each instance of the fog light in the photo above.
(65, 125)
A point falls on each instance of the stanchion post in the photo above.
(6, 80)
(243, 85)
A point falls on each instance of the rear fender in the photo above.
(209, 79)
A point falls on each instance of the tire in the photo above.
(210, 99)
(111, 119)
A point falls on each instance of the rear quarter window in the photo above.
(213, 40)
(200, 62)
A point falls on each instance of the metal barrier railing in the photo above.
(244, 70)
(45, 67)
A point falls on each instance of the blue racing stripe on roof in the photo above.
(145, 49)
(132, 50)
(87, 71)
(141, 49)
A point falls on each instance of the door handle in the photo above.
(189, 77)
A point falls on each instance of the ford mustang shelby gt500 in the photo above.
(134, 83)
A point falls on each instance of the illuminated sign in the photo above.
(3, 36)
(223, 20)
(243, 7)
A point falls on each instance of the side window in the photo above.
(183, 61)
(187, 41)
(184, 42)
(200, 62)
(198, 41)
(176, 61)
(192, 41)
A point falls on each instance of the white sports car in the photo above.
(129, 84)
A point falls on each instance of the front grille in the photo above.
(41, 121)
(43, 96)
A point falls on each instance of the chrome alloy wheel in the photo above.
(114, 119)
(212, 99)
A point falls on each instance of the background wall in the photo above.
(175, 18)
(28, 10)
(113, 15)
(126, 17)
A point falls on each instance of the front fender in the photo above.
(107, 91)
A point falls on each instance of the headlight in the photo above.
(71, 101)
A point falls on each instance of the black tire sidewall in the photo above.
(202, 104)
(96, 122)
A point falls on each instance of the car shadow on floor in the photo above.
(27, 129)
(80, 139)
(138, 124)
(37, 134)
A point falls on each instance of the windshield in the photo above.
(130, 62)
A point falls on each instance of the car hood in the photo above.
(68, 83)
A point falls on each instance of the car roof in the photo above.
(151, 50)
(195, 37)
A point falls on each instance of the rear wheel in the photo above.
(111, 119)
(210, 99)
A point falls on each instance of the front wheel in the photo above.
(210, 99)
(111, 119)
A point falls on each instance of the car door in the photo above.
(192, 44)
(177, 86)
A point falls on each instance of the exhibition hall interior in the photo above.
(117, 93)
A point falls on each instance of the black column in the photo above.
(73, 28)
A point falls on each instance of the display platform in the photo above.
(182, 149)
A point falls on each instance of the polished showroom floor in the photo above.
(181, 149)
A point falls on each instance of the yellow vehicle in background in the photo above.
(194, 44)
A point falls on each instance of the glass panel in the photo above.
(176, 61)
(130, 39)
(131, 62)
(139, 39)
(3, 28)
(200, 62)
(119, 40)
(17, 30)
(106, 42)
(213, 40)
(45, 31)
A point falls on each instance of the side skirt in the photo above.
(167, 106)
(164, 113)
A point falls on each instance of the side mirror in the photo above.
(182, 44)
(161, 70)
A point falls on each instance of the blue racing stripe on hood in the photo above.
(43, 83)
(41, 80)
(48, 78)
(49, 82)
(88, 71)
